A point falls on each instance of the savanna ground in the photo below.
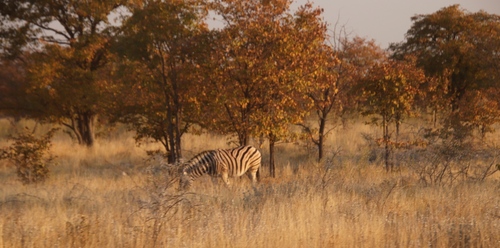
(112, 196)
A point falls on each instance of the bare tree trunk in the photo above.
(434, 117)
(272, 168)
(84, 128)
(172, 156)
(243, 138)
(385, 126)
(398, 125)
(321, 138)
(176, 134)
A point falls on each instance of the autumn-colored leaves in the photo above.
(261, 70)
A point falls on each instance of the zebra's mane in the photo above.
(198, 160)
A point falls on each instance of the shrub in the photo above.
(30, 155)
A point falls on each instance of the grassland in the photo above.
(111, 196)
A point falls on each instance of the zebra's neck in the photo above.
(200, 165)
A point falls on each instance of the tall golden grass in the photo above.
(111, 196)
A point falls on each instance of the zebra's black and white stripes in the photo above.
(224, 163)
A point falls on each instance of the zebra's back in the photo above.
(239, 160)
(225, 163)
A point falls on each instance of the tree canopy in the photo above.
(159, 44)
(459, 50)
(157, 66)
(69, 42)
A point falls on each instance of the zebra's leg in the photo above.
(225, 178)
(253, 176)
(215, 182)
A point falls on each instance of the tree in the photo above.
(459, 50)
(346, 61)
(293, 62)
(70, 41)
(389, 92)
(158, 52)
(13, 84)
(262, 59)
(479, 110)
(242, 49)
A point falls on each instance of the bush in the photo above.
(446, 159)
(30, 155)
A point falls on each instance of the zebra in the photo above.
(222, 162)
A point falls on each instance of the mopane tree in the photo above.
(158, 59)
(238, 56)
(345, 62)
(70, 41)
(262, 56)
(389, 92)
(459, 50)
(295, 61)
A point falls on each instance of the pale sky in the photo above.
(387, 21)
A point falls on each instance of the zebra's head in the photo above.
(185, 179)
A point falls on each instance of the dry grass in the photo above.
(107, 197)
